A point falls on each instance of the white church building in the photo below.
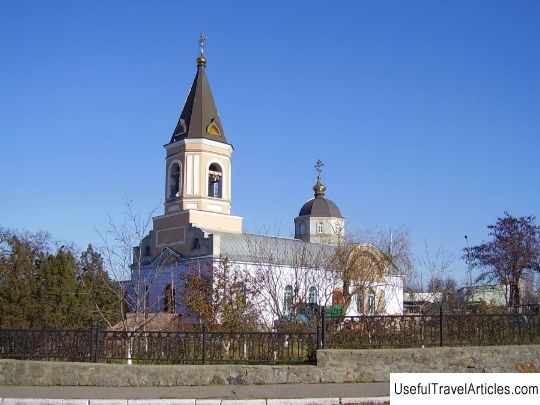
(197, 231)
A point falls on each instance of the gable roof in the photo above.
(275, 250)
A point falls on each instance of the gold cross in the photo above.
(318, 166)
(202, 41)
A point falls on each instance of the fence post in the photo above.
(97, 344)
(93, 342)
(441, 342)
(323, 330)
(204, 344)
(319, 322)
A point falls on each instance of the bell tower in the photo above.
(197, 169)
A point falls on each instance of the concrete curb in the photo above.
(297, 401)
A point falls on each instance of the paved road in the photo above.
(280, 391)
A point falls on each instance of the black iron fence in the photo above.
(298, 347)
(439, 329)
(144, 347)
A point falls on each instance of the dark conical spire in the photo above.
(199, 117)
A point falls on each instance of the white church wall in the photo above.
(271, 300)
(393, 291)
(388, 298)
(270, 281)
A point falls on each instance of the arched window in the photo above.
(360, 302)
(302, 229)
(215, 181)
(320, 227)
(371, 301)
(174, 181)
(287, 300)
(313, 296)
(169, 299)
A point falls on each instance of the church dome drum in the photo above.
(319, 219)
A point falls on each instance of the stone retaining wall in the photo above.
(333, 366)
(377, 364)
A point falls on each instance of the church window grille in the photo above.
(174, 181)
(287, 300)
(360, 302)
(371, 301)
(320, 227)
(241, 293)
(169, 299)
(313, 295)
(215, 181)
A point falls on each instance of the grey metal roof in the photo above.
(199, 112)
(247, 247)
(320, 207)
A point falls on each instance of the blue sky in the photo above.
(426, 114)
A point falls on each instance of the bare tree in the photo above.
(131, 270)
(439, 265)
(290, 275)
(220, 295)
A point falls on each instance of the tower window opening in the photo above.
(215, 181)
(320, 227)
(302, 229)
(174, 181)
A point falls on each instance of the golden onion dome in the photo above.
(319, 188)
(201, 61)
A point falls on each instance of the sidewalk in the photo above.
(293, 394)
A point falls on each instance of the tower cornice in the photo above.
(201, 141)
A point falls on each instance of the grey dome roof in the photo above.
(320, 207)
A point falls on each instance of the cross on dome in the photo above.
(318, 166)
(202, 41)
(319, 188)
